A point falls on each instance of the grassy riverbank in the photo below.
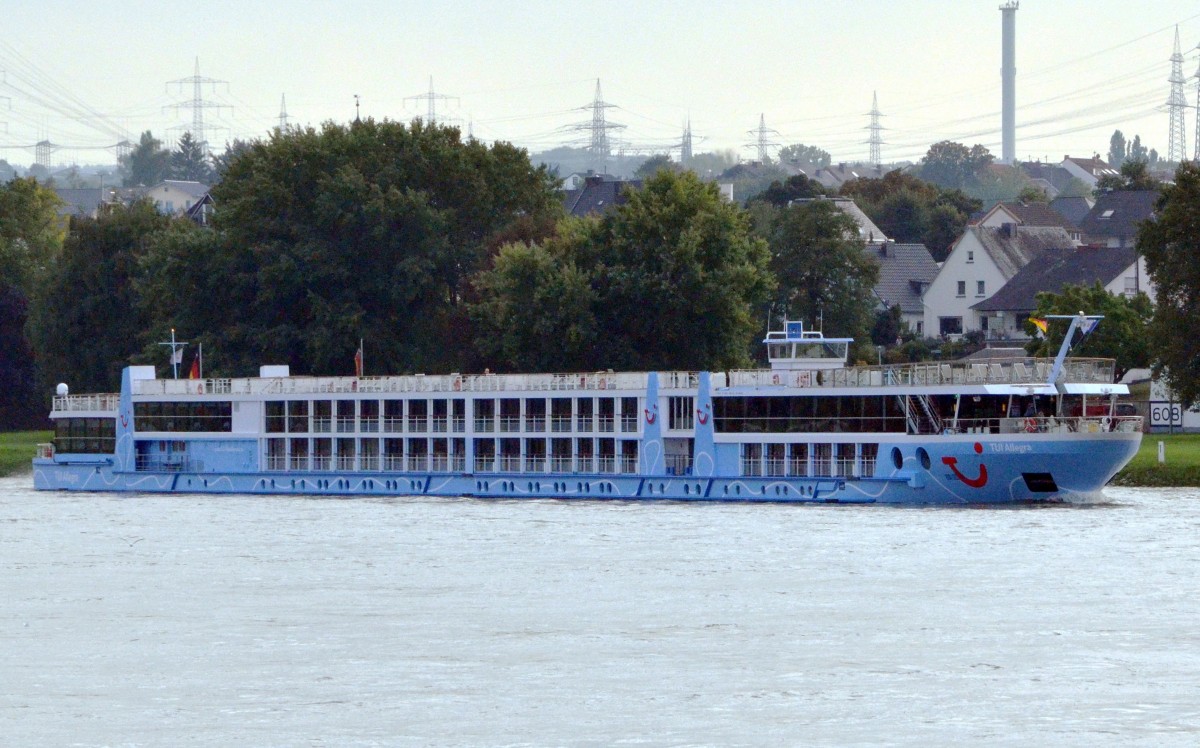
(1182, 467)
(17, 448)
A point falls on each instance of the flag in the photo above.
(177, 356)
(1089, 326)
(1040, 324)
(195, 372)
(358, 361)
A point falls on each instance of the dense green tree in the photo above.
(710, 165)
(909, 209)
(1135, 175)
(805, 154)
(371, 231)
(673, 277)
(797, 187)
(822, 270)
(87, 324)
(147, 164)
(1116, 149)
(1121, 335)
(189, 162)
(889, 326)
(30, 240)
(221, 161)
(953, 165)
(654, 164)
(1137, 151)
(1171, 245)
(751, 179)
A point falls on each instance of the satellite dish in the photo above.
(62, 389)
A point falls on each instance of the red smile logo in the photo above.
(981, 481)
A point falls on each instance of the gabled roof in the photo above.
(1032, 214)
(905, 271)
(79, 202)
(1095, 166)
(192, 189)
(1072, 208)
(1012, 250)
(1057, 176)
(1117, 213)
(597, 196)
(1053, 269)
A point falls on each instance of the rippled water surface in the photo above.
(238, 620)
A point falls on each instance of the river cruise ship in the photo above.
(808, 429)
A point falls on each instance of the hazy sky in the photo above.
(83, 73)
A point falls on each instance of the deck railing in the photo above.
(996, 371)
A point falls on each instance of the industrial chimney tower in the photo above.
(1008, 77)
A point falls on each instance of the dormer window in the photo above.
(1106, 215)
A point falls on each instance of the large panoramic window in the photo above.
(204, 416)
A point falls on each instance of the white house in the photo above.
(1029, 214)
(1088, 170)
(175, 197)
(981, 261)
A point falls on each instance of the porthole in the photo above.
(923, 457)
(897, 458)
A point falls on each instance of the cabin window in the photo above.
(322, 453)
(368, 416)
(297, 411)
(345, 416)
(510, 414)
(485, 415)
(393, 454)
(797, 460)
(322, 416)
(441, 416)
(752, 460)
(629, 414)
(535, 414)
(458, 415)
(485, 455)
(298, 454)
(560, 414)
(584, 420)
(418, 415)
(607, 410)
(393, 416)
(629, 456)
(85, 435)
(680, 413)
(184, 416)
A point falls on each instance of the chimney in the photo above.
(883, 249)
(1008, 228)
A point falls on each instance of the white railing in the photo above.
(1002, 371)
(105, 402)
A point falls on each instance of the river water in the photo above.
(216, 621)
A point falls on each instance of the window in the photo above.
(979, 288)
(920, 328)
(950, 325)
(962, 288)
(1106, 215)
(970, 256)
(1131, 286)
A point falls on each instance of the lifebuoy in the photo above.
(1031, 425)
(603, 383)
(1106, 423)
(774, 379)
(200, 388)
(457, 384)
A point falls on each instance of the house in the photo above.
(905, 271)
(202, 211)
(1050, 178)
(597, 195)
(174, 197)
(867, 230)
(1028, 214)
(1118, 269)
(1088, 170)
(1072, 208)
(81, 202)
(1113, 220)
(980, 262)
(835, 176)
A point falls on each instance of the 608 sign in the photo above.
(1163, 413)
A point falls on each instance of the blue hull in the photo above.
(948, 470)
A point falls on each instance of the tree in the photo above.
(953, 165)
(189, 161)
(1121, 335)
(1137, 151)
(797, 187)
(147, 163)
(654, 164)
(1135, 175)
(710, 165)
(751, 179)
(88, 323)
(889, 326)
(805, 154)
(370, 230)
(1169, 243)
(822, 270)
(909, 209)
(222, 161)
(1116, 149)
(670, 279)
